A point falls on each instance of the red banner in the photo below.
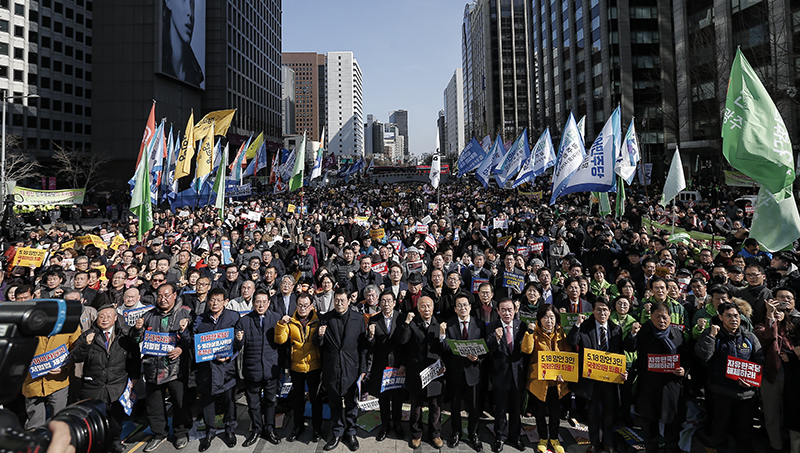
(742, 370)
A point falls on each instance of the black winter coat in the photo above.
(106, 371)
(343, 349)
(385, 350)
(260, 352)
(585, 336)
(426, 350)
(215, 376)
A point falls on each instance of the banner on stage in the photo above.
(34, 197)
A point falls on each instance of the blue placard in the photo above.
(133, 315)
(225, 248)
(50, 360)
(512, 280)
(392, 379)
(128, 398)
(213, 345)
(159, 343)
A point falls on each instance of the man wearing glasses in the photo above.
(232, 283)
(756, 292)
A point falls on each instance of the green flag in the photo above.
(299, 167)
(605, 205)
(219, 184)
(754, 136)
(620, 197)
(140, 198)
(776, 223)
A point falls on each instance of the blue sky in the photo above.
(407, 51)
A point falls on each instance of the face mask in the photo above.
(718, 279)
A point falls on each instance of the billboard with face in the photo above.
(183, 40)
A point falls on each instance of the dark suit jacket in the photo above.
(458, 368)
(508, 365)
(585, 336)
(343, 349)
(276, 304)
(427, 349)
(260, 351)
(385, 349)
(387, 285)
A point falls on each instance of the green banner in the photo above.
(738, 179)
(35, 197)
(704, 240)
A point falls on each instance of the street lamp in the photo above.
(5, 100)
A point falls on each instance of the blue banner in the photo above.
(158, 343)
(50, 360)
(217, 344)
(513, 281)
(225, 248)
(470, 158)
(392, 379)
(134, 314)
(128, 398)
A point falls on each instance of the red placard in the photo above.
(381, 268)
(663, 363)
(537, 248)
(742, 370)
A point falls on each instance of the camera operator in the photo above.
(108, 357)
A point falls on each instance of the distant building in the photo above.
(454, 116)
(442, 131)
(345, 106)
(310, 91)
(368, 149)
(400, 119)
(288, 101)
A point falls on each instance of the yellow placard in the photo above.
(291, 208)
(603, 366)
(92, 239)
(68, 245)
(269, 219)
(28, 256)
(377, 234)
(554, 364)
(117, 241)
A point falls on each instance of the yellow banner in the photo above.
(377, 234)
(291, 208)
(68, 245)
(269, 219)
(205, 156)
(554, 364)
(253, 148)
(183, 164)
(117, 241)
(603, 366)
(96, 241)
(28, 256)
(216, 122)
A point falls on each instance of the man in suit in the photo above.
(509, 267)
(285, 302)
(503, 339)
(421, 334)
(600, 333)
(255, 334)
(386, 352)
(463, 374)
(342, 341)
(572, 301)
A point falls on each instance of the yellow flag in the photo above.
(205, 156)
(253, 148)
(221, 119)
(183, 165)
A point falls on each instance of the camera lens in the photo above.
(88, 424)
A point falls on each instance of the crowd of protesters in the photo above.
(333, 289)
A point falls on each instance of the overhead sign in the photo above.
(35, 197)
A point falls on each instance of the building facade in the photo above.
(454, 116)
(310, 89)
(345, 106)
(288, 101)
(400, 119)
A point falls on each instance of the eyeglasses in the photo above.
(158, 280)
(749, 274)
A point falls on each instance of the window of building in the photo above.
(33, 36)
(4, 26)
(33, 16)
(45, 83)
(44, 123)
(57, 105)
(19, 9)
(19, 31)
(19, 53)
(58, 27)
(46, 42)
(18, 75)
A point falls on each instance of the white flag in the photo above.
(675, 180)
(570, 157)
(436, 166)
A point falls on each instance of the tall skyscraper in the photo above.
(368, 149)
(345, 106)
(310, 89)
(497, 64)
(454, 116)
(400, 119)
(288, 101)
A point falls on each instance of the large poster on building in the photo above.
(183, 40)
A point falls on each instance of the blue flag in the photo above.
(519, 152)
(570, 157)
(596, 172)
(471, 157)
(542, 157)
(494, 157)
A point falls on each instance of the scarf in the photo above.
(663, 337)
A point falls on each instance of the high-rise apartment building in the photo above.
(454, 116)
(400, 119)
(288, 101)
(497, 64)
(345, 106)
(310, 89)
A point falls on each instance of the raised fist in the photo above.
(443, 329)
(581, 318)
(498, 332)
(409, 317)
(322, 330)
(184, 323)
(635, 328)
(90, 338)
(371, 330)
(701, 324)
(714, 330)
(239, 335)
(285, 320)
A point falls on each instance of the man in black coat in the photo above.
(463, 374)
(284, 303)
(421, 334)
(342, 341)
(504, 341)
(108, 362)
(364, 277)
(598, 332)
(255, 334)
(386, 352)
(216, 379)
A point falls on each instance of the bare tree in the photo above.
(80, 168)
(20, 166)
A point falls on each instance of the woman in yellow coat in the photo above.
(546, 335)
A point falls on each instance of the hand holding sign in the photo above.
(176, 352)
(139, 323)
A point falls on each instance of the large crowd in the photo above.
(330, 291)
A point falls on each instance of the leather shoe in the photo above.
(398, 431)
(205, 443)
(315, 437)
(498, 446)
(381, 434)
(437, 442)
(516, 444)
(296, 433)
(229, 439)
(476, 442)
(415, 443)
(351, 442)
(454, 440)
(252, 438)
(272, 438)
(332, 444)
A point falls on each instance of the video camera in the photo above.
(21, 323)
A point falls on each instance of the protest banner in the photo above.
(29, 257)
(603, 366)
(500, 224)
(524, 251)
(269, 219)
(128, 398)
(291, 208)
(663, 363)
(285, 387)
(158, 343)
(703, 239)
(432, 372)
(464, 348)
(426, 220)
(551, 365)
(743, 370)
(527, 318)
(50, 360)
(369, 405)
(414, 266)
(362, 220)
(377, 234)
(107, 237)
(116, 242)
(396, 244)
(216, 344)
(433, 207)
(381, 268)
(513, 281)
(477, 282)
(503, 241)
(68, 245)
(537, 248)
(393, 379)
(91, 239)
(225, 248)
(34, 197)
(133, 315)
(570, 319)
(422, 228)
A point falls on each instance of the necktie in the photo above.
(464, 331)
(261, 318)
(388, 324)
(508, 337)
(575, 307)
(108, 335)
(603, 339)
